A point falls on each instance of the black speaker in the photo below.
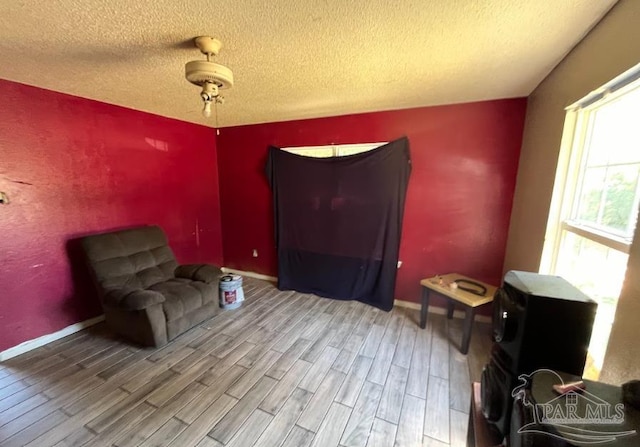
(589, 427)
(539, 321)
(521, 416)
(496, 385)
(542, 321)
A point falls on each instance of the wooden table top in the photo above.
(441, 283)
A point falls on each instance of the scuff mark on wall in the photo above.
(18, 181)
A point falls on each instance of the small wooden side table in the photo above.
(471, 301)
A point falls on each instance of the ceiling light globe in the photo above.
(206, 111)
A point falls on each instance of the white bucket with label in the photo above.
(231, 293)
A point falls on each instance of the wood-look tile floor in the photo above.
(285, 369)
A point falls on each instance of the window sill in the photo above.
(606, 239)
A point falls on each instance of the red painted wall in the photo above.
(72, 167)
(465, 160)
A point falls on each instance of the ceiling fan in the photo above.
(210, 76)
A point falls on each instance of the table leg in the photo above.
(468, 327)
(450, 307)
(424, 308)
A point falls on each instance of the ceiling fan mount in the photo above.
(208, 45)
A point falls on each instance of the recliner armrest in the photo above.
(132, 299)
(199, 272)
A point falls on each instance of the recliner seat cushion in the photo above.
(183, 296)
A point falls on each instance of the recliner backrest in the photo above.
(136, 258)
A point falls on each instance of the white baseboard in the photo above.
(250, 274)
(400, 303)
(407, 304)
(45, 339)
(440, 311)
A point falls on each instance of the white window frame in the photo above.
(337, 150)
(570, 169)
(565, 198)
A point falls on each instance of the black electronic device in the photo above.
(542, 321)
(598, 401)
(539, 321)
(496, 385)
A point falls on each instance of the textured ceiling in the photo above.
(291, 58)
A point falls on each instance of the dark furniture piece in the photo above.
(539, 321)
(542, 321)
(614, 424)
(479, 434)
(146, 296)
(470, 301)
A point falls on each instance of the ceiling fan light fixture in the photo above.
(212, 77)
(206, 111)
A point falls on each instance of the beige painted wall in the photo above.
(612, 47)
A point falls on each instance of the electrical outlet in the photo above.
(255, 253)
(399, 264)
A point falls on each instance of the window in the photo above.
(607, 195)
(595, 201)
(334, 150)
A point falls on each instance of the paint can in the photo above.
(231, 293)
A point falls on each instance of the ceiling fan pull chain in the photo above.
(217, 128)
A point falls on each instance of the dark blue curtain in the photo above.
(338, 221)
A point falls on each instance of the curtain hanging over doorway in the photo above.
(338, 221)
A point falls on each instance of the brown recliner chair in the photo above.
(146, 296)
